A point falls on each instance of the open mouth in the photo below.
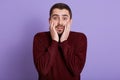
(60, 27)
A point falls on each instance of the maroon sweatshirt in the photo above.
(59, 61)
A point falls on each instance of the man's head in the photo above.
(61, 15)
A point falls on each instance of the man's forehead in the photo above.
(60, 12)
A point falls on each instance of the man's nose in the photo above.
(60, 21)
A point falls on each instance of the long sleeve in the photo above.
(43, 56)
(75, 55)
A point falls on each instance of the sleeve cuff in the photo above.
(64, 43)
(54, 43)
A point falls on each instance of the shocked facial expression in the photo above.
(61, 17)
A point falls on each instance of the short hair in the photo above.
(61, 6)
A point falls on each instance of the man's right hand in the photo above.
(53, 31)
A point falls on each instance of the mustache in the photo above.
(61, 25)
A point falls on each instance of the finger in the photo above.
(51, 26)
(67, 28)
(55, 25)
(68, 25)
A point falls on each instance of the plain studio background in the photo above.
(20, 20)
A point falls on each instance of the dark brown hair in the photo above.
(61, 6)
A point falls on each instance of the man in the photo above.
(59, 54)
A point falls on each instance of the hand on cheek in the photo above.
(66, 32)
(53, 31)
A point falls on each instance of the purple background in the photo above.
(21, 19)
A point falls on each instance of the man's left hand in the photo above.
(66, 32)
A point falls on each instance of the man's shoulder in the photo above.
(77, 38)
(77, 34)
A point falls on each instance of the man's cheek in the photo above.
(64, 23)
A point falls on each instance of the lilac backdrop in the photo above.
(21, 19)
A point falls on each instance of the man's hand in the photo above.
(53, 32)
(66, 32)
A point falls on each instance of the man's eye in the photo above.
(55, 18)
(65, 18)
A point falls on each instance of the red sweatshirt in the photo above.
(59, 61)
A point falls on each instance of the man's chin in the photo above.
(59, 33)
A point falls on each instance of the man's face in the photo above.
(61, 17)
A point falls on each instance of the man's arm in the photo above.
(44, 57)
(75, 56)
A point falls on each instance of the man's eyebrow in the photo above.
(55, 15)
(58, 15)
(65, 15)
